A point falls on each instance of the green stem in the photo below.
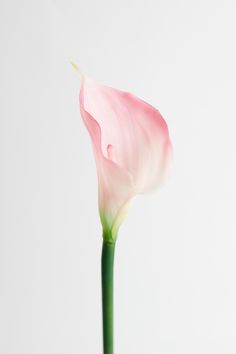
(108, 250)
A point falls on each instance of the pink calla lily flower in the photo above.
(131, 145)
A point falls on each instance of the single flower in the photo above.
(131, 145)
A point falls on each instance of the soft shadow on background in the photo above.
(175, 261)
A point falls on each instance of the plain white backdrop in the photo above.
(175, 268)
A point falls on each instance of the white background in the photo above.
(175, 270)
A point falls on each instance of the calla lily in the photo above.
(132, 150)
(131, 145)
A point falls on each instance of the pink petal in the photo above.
(131, 144)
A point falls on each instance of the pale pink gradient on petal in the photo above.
(131, 145)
